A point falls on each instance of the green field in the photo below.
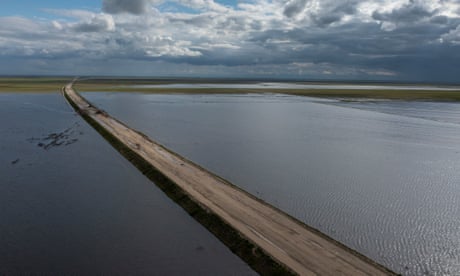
(32, 84)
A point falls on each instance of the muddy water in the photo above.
(382, 178)
(70, 204)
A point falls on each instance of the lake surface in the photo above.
(381, 177)
(71, 205)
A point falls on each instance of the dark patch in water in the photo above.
(15, 161)
(56, 139)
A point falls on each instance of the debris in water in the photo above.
(15, 161)
(64, 138)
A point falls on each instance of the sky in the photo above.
(400, 40)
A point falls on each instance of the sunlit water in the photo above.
(383, 178)
(71, 205)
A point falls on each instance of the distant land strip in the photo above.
(395, 91)
(269, 240)
(342, 90)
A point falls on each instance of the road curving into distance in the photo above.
(292, 245)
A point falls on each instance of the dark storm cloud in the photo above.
(364, 46)
(325, 14)
(352, 37)
(198, 20)
(334, 12)
(411, 12)
(443, 20)
(294, 7)
(125, 6)
(328, 19)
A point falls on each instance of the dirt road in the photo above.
(285, 239)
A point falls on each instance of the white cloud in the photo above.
(56, 25)
(76, 14)
(97, 23)
(12, 24)
(203, 5)
(452, 36)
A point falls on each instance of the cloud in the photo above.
(75, 14)
(203, 5)
(411, 12)
(393, 39)
(320, 13)
(294, 7)
(452, 36)
(440, 19)
(126, 6)
(98, 23)
(333, 11)
(18, 24)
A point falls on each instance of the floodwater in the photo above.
(71, 205)
(381, 177)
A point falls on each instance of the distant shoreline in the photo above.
(196, 79)
(364, 90)
(398, 92)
